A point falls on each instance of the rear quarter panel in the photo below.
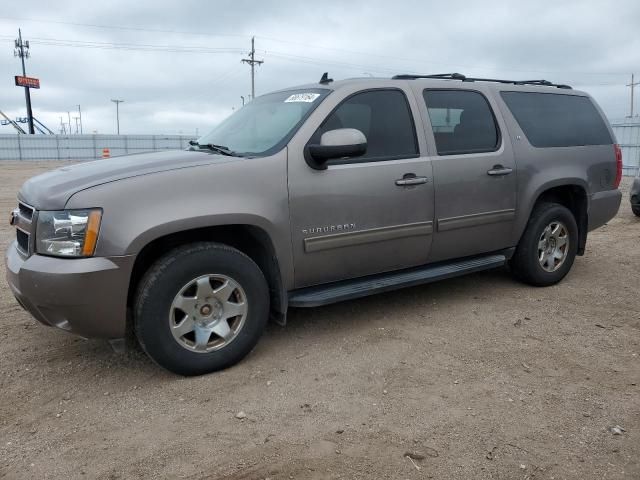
(593, 167)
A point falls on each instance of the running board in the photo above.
(362, 287)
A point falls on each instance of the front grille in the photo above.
(23, 240)
(23, 218)
(26, 211)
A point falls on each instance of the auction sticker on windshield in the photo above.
(302, 97)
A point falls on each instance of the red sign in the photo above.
(27, 82)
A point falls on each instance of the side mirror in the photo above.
(339, 143)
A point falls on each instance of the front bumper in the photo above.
(603, 207)
(86, 296)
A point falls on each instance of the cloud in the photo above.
(179, 68)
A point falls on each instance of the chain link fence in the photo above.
(84, 147)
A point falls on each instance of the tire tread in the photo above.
(522, 263)
(154, 275)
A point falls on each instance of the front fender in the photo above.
(138, 210)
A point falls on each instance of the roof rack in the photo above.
(463, 78)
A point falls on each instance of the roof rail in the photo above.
(464, 78)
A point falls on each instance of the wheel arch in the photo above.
(252, 240)
(572, 195)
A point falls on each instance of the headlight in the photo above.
(68, 233)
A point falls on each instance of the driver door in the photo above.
(359, 216)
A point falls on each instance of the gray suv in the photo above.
(313, 195)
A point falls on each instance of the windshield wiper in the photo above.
(221, 149)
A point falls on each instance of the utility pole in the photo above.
(77, 125)
(253, 62)
(22, 51)
(633, 86)
(80, 116)
(117, 102)
(63, 130)
(69, 122)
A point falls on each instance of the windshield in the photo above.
(264, 125)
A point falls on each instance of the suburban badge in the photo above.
(329, 228)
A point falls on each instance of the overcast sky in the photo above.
(177, 64)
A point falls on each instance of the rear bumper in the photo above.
(86, 296)
(603, 207)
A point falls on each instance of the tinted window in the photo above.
(552, 120)
(462, 121)
(385, 119)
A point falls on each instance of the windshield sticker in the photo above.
(302, 97)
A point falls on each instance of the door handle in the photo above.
(410, 179)
(499, 170)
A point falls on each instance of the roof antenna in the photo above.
(325, 79)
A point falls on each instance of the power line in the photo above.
(120, 27)
(22, 51)
(200, 49)
(431, 62)
(133, 46)
(316, 61)
(225, 77)
(282, 55)
(413, 60)
(253, 62)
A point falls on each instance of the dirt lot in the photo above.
(484, 377)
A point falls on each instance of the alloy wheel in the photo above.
(553, 246)
(208, 313)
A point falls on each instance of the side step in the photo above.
(364, 286)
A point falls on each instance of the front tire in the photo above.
(200, 308)
(548, 246)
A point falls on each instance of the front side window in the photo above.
(462, 122)
(263, 126)
(384, 116)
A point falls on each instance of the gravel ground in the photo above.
(478, 377)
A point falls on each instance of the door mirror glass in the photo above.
(338, 143)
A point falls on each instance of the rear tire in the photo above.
(548, 246)
(200, 308)
(636, 210)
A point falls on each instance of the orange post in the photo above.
(106, 153)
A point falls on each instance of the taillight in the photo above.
(618, 151)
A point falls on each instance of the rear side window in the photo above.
(555, 120)
(462, 122)
(385, 119)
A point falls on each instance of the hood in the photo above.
(51, 190)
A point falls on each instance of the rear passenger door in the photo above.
(474, 173)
